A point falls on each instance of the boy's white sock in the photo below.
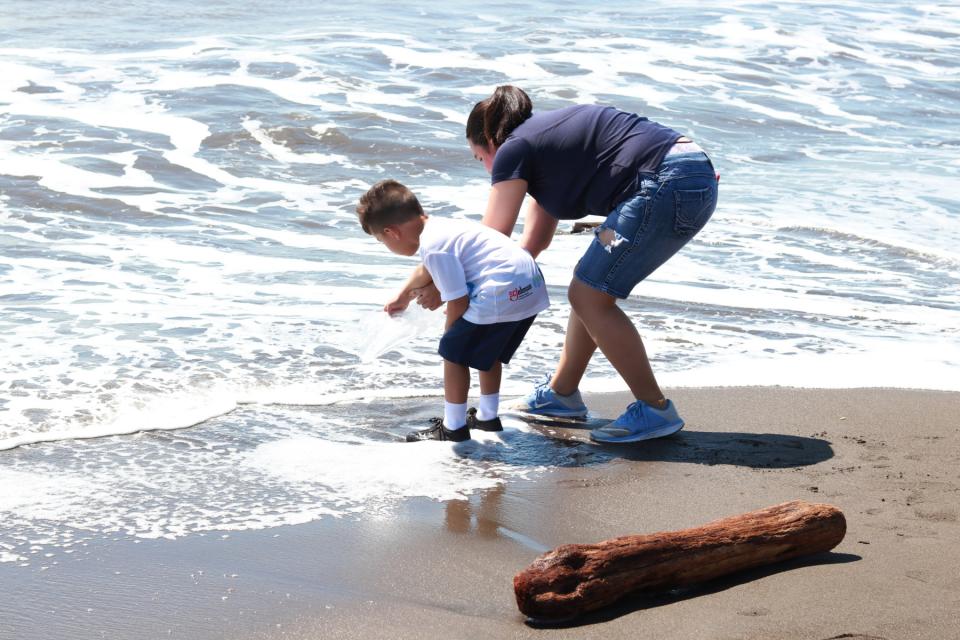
(489, 406)
(454, 415)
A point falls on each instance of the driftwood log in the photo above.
(580, 227)
(576, 578)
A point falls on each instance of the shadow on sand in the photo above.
(571, 437)
(754, 450)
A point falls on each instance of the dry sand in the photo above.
(890, 459)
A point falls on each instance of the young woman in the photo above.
(656, 189)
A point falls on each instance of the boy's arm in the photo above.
(456, 309)
(419, 278)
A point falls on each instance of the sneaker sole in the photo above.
(554, 413)
(638, 437)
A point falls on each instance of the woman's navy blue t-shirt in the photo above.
(581, 160)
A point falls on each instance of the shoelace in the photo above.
(436, 424)
(543, 387)
(634, 411)
(472, 418)
(542, 391)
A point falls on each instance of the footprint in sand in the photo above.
(946, 515)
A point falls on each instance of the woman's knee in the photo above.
(585, 300)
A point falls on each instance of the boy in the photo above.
(493, 290)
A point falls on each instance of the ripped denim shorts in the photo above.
(668, 208)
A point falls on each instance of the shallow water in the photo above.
(178, 245)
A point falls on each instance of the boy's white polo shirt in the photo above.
(467, 258)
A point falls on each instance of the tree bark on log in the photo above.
(574, 579)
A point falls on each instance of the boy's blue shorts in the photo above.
(480, 346)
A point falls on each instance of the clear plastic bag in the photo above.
(384, 333)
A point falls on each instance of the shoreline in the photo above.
(886, 457)
(361, 397)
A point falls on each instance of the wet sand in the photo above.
(890, 459)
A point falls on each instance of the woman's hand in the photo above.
(427, 296)
(455, 310)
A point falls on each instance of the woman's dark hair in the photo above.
(494, 118)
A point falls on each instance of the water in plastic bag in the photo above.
(385, 333)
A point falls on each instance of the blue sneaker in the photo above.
(640, 422)
(544, 401)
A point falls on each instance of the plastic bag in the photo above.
(385, 333)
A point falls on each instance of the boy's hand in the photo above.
(428, 297)
(399, 303)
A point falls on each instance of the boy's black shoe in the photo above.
(474, 422)
(436, 431)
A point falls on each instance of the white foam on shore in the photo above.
(364, 474)
(320, 394)
(163, 413)
(301, 466)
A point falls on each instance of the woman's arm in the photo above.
(503, 205)
(538, 229)
(503, 209)
(455, 309)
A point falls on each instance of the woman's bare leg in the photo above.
(613, 332)
(578, 348)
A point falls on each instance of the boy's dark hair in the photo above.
(387, 203)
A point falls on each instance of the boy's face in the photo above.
(484, 155)
(399, 240)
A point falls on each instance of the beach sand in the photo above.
(890, 459)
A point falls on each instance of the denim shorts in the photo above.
(667, 209)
